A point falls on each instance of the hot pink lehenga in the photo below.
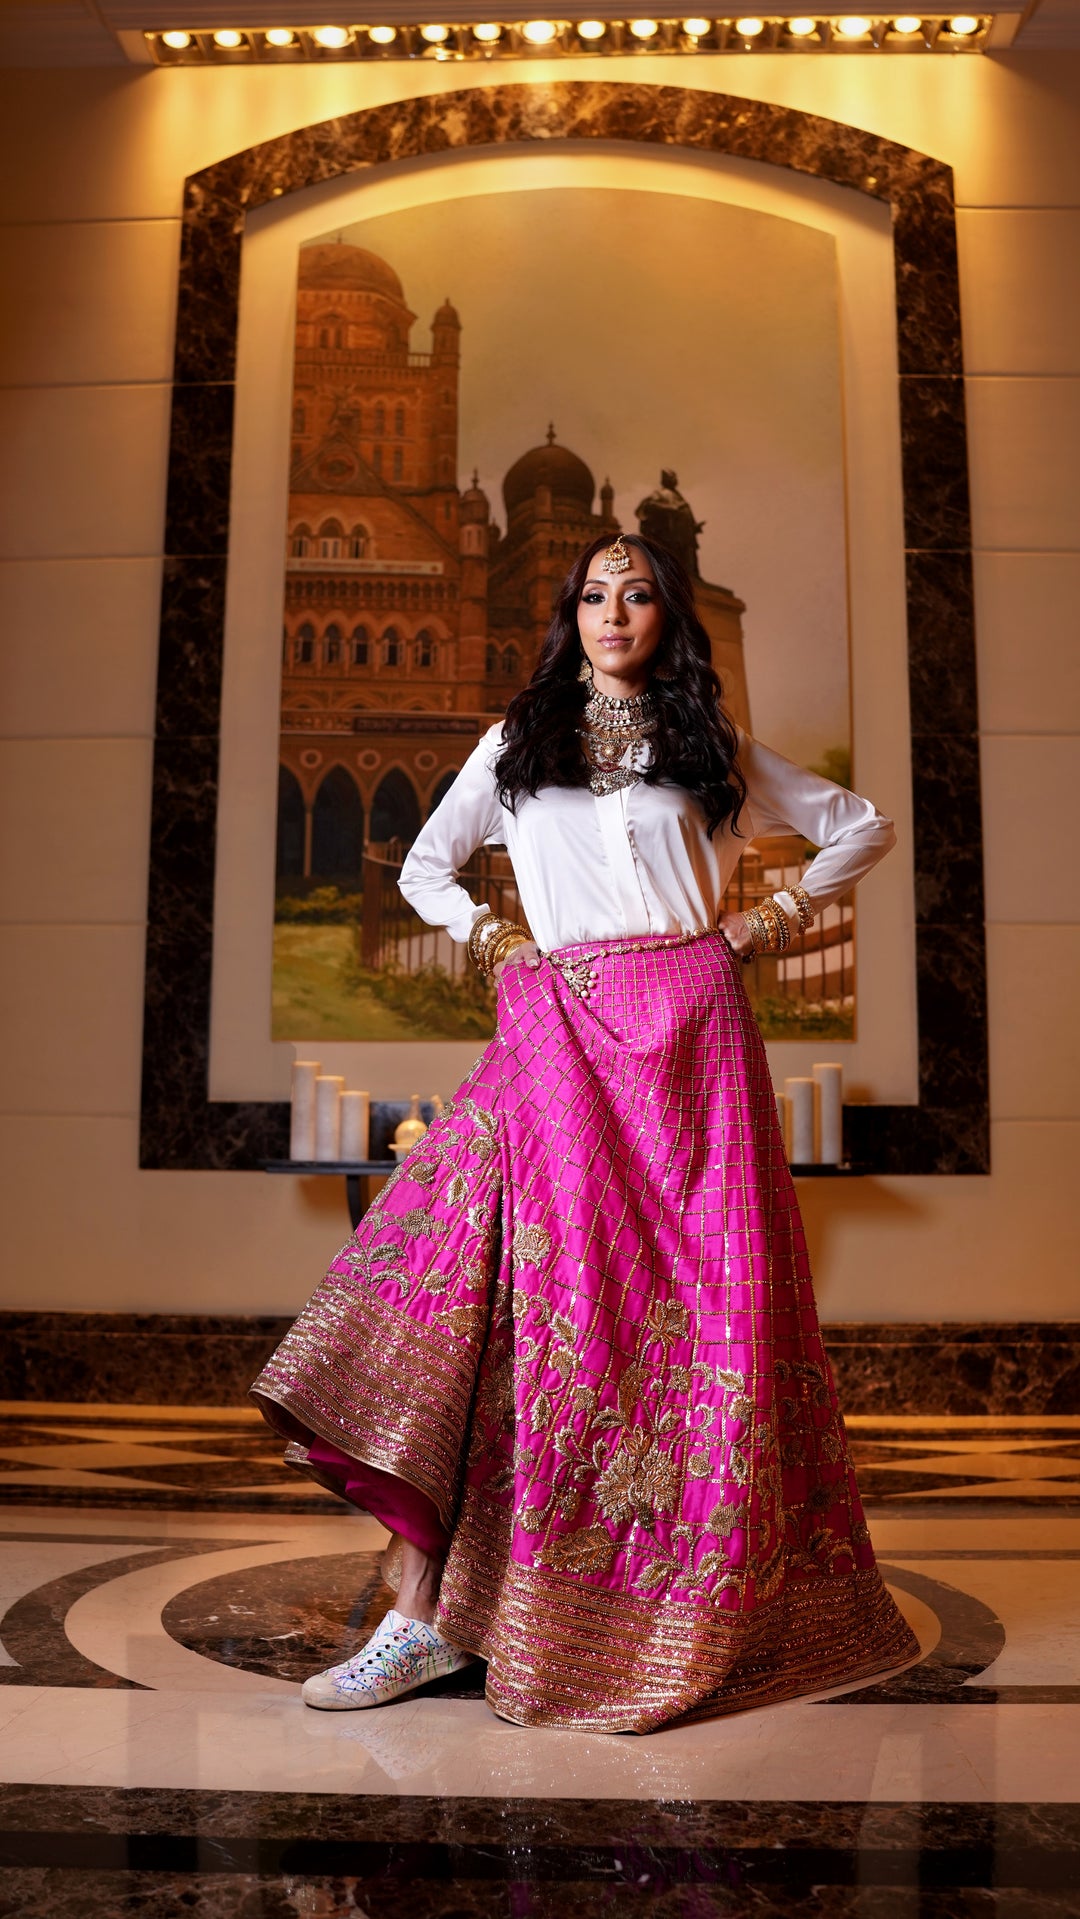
(579, 1319)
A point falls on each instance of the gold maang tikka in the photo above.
(617, 558)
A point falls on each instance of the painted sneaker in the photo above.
(400, 1655)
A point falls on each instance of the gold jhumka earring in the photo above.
(617, 557)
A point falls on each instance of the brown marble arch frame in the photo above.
(948, 1130)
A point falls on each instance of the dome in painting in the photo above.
(352, 269)
(555, 467)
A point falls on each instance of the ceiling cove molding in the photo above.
(948, 1130)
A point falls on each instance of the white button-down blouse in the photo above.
(636, 861)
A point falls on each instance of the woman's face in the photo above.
(621, 623)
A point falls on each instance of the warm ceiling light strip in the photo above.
(820, 33)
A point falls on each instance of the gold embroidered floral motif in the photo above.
(591, 1550)
(418, 1223)
(668, 1319)
(531, 1245)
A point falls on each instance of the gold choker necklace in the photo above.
(612, 725)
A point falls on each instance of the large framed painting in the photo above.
(423, 354)
(476, 394)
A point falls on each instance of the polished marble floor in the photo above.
(165, 1584)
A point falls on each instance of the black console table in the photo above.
(355, 1171)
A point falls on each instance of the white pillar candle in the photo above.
(782, 1116)
(800, 1097)
(829, 1080)
(302, 1117)
(355, 1125)
(328, 1087)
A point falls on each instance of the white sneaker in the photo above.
(400, 1655)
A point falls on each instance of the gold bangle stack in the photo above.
(492, 940)
(803, 906)
(770, 928)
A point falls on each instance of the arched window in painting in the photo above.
(441, 790)
(290, 825)
(305, 644)
(332, 645)
(510, 662)
(376, 459)
(358, 543)
(395, 810)
(491, 659)
(361, 646)
(425, 648)
(332, 330)
(337, 829)
(398, 463)
(392, 649)
(330, 538)
(300, 542)
(399, 419)
(380, 418)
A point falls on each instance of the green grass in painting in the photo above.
(780, 1018)
(321, 992)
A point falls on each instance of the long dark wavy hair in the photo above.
(694, 744)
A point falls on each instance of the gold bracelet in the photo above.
(778, 923)
(758, 934)
(507, 945)
(803, 906)
(475, 941)
(491, 939)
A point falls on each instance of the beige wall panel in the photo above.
(1029, 791)
(82, 471)
(1024, 454)
(75, 1046)
(1003, 1247)
(79, 647)
(110, 144)
(154, 1241)
(74, 832)
(87, 304)
(1020, 289)
(1034, 1030)
(1026, 619)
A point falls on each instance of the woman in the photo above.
(571, 1356)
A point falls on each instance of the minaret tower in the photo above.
(474, 541)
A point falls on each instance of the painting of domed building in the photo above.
(414, 610)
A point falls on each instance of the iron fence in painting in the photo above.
(817, 972)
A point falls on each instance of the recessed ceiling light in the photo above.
(539, 32)
(280, 37)
(964, 23)
(435, 35)
(228, 37)
(643, 29)
(382, 36)
(331, 36)
(177, 41)
(592, 29)
(697, 28)
(802, 27)
(907, 23)
(487, 31)
(854, 26)
(749, 26)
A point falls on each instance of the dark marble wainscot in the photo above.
(175, 1359)
(69, 1851)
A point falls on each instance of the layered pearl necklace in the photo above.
(610, 727)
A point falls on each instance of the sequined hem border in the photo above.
(398, 1402)
(562, 1654)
